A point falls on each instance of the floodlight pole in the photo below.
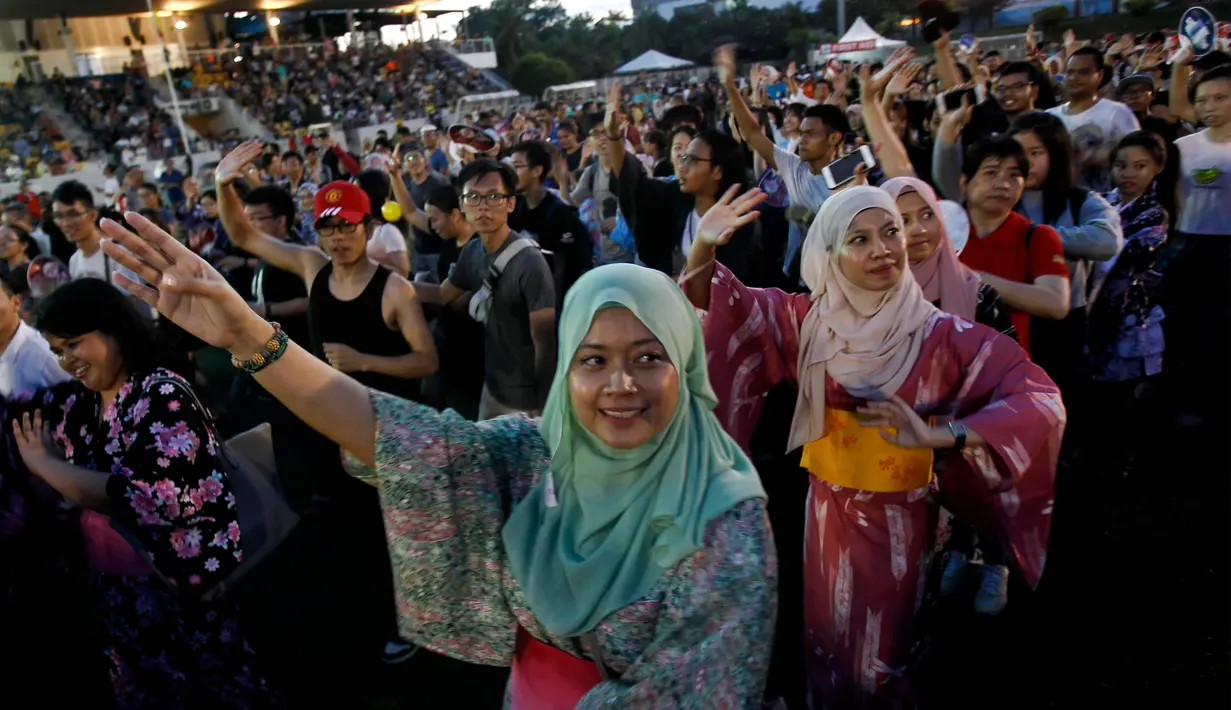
(166, 67)
(841, 17)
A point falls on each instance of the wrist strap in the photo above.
(274, 348)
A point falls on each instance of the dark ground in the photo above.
(1132, 611)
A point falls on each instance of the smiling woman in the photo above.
(616, 554)
(137, 444)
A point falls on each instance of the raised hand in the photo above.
(612, 123)
(183, 287)
(1031, 43)
(33, 440)
(724, 59)
(901, 82)
(729, 214)
(237, 163)
(952, 121)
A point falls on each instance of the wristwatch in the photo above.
(958, 430)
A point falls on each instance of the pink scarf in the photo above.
(867, 341)
(941, 275)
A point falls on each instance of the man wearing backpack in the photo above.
(509, 288)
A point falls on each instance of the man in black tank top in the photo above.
(364, 320)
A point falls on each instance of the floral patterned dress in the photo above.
(699, 639)
(167, 648)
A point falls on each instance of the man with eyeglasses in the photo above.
(521, 320)
(1137, 92)
(364, 320)
(72, 208)
(421, 183)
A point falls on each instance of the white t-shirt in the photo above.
(1100, 126)
(805, 189)
(98, 265)
(1205, 185)
(386, 240)
(27, 364)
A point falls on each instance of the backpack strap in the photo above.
(512, 250)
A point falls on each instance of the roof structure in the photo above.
(96, 8)
(861, 31)
(653, 60)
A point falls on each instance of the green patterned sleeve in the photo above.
(713, 640)
(445, 484)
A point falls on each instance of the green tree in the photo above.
(535, 72)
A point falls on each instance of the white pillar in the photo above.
(66, 33)
(179, 38)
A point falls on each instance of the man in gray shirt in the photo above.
(521, 320)
(421, 182)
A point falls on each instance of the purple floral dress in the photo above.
(167, 649)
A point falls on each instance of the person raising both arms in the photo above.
(364, 319)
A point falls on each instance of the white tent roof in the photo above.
(860, 31)
(653, 60)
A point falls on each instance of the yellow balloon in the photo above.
(391, 211)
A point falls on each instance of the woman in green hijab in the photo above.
(616, 553)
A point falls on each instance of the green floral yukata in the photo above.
(700, 639)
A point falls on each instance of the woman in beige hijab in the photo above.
(887, 382)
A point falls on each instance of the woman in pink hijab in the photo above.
(947, 283)
(887, 383)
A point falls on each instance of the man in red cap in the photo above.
(364, 319)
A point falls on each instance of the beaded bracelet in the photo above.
(274, 348)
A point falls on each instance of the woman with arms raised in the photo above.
(616, 553)
(868, 350)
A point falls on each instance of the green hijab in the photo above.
(623, 516)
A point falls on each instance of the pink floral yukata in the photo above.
(867, 553)
(166, 650)
(700, 639)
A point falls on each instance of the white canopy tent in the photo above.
(653, 60)
(861, 43)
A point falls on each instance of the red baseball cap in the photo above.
(342, 199)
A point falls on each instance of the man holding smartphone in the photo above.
(822, 135)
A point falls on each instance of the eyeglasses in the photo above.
(494, 199)
(328, 230)
(688, 159)
(1012, 88)
(67, 216)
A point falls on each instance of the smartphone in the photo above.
(953, 99)
(842, 170)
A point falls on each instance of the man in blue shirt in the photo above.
(437, 160)
(170, 181)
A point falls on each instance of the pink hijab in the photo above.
(941, 275)
(867, 341)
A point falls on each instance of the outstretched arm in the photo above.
(195, 297)
(724, 59)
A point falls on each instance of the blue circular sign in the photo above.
(1199, 26)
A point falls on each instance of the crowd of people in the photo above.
(567, 376)
(31, 142)
(365, 85)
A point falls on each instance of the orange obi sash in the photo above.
(854, 456)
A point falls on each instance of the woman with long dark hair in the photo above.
(17, 250)
(1124, 332)
(137, 444)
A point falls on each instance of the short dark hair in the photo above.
(543, 106)
(7, 284)
(267, 160)
(1096, 57)
(569, 125)
(71, 192)
(797, 109)
(485, 166)
(685, 129)
(537, 156)
(728, 154)
(210, 193)
(679, 114)
(382, 142)
(444, 199)
(1026, 68)
(834, 118)
(149, 186)
(1220, 72)
(997, 146)
(88, 305)
(656, 138)
(401, 131)
(17, 206)
(991, 53)
(279, 201)
(292, 154)
(1061, 170)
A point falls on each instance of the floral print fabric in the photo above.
(699, 639)
(167, 648)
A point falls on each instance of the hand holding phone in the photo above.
(843, 170)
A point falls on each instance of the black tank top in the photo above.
(358, 323)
